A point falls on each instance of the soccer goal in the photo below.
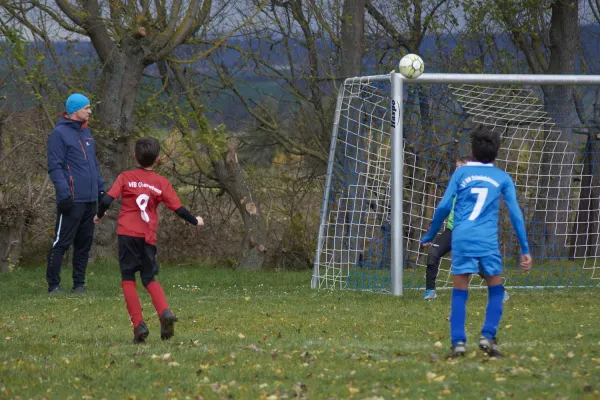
(393, 149)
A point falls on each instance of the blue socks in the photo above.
(493, 314)
(458, 315)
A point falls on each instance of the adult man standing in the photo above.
(73, 167)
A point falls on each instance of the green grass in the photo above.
(268, 335)
(558, 273)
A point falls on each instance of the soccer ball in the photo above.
(411, 66)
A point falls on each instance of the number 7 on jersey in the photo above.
(481, 196)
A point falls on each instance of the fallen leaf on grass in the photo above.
(299, 389)
(432, 376)
(254, 347)
(241, 336)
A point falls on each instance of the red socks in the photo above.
(133, 302)
(158, 297)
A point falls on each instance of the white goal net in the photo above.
(550, 147)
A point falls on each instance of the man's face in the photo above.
(82, 114)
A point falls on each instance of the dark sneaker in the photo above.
(490, 346)
(56, 290)
(458, 350)
(140, 333)
(167, 324)
(79, 289)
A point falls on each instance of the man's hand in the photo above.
(65, 205)
(427, 244)
(526, 262)
(96, 219)
(200, 221)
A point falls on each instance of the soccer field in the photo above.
(267, 335)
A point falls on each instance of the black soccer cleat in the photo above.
(167, 324)
(458, 350)
(79, 290)
(56, 290)
(490, 347)
(140, 333)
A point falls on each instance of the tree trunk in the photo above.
(550, 226)
(352, 37)
(231, 178)
(116, 117)
(11, 238)
(584, 238)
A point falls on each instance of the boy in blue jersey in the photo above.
(477, 188)
(441, 246)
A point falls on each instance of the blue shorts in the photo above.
(490, 265)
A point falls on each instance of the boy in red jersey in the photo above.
(142, 191)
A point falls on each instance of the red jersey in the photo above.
(142, 191)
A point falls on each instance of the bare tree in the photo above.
(128, 37)
(352, 37)
(585, 237)
(219, 164)
(547, 33)
(24, 121)
(309, 44)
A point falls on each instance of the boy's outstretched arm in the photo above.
(442, 211)
(103, 205)
(516, 218)
(185, 214)
(108, 198)
(171, 200)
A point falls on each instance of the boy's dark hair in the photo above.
(464, 159)
(146, 151)
(485, 144)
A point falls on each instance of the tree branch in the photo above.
(170, 24)
(116, 14)
(218, 43)
(324, 24)
(90, 19)
(595, 9)
(182, 127)
(526, 47)
(269, 125)
(429, 17)
(71, 12)
(386, 25)
(57, 18)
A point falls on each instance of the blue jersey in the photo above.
(477, 188)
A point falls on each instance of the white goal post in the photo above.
(393, 144)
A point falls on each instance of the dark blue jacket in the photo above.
(72, 162)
